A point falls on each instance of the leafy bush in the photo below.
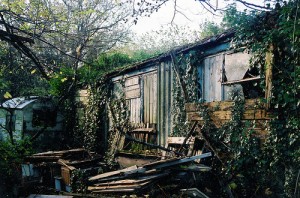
(11, 158)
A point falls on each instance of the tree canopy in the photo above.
(54, 33)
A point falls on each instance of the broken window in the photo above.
(44, 118)
(239, 78)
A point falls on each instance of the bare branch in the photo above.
(253, 6)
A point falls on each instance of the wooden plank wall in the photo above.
(212, 77)
(150, 98)
(220, 113)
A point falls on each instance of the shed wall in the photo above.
(164, 101)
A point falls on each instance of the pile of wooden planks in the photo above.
(137, 178)
(53, 164)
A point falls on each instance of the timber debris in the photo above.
(137, 178)
(56, 167)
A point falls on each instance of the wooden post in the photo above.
(269, 75)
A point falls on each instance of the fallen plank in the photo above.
(121, 177)
(60, 152)
(193, 192)
(195, 168)
(120, 190)
(120, 186)
(65, 163)
(48, 196)
(113, 173)
(42, 158)
(177, 161)
(133, 181)
(128, 137)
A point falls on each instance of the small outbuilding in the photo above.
(36, 117)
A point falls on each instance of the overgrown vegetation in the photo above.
(271, 169)
(185, 89)
(10, 159)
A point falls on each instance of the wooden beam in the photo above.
(269, 76)
(113, 173)
(241, 81)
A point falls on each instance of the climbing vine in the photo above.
(185, 89)
(246, 166)
(120, 125)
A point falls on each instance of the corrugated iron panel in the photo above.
(164, 102)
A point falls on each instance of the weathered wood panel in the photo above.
(213, 78)
(221, 112)
(224, 105)
(149, 99)
(226, 115)
(135, 108)
(132, 81)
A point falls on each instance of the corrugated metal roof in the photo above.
(205, 43)
(19, 102)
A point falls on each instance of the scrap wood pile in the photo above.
(48, 165)
(138, 178)
(69, 158)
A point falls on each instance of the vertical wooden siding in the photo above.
(150, 98)
(212, 70)
(135, 107)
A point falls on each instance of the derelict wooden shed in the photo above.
(149, 84)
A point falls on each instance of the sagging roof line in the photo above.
(205, 43)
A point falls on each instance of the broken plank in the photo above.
(120, 190)
(60, 152)
(177, 161)
(64, 163)
(129, 170)
(121, 177)
(134, 181)
(42, 158)
(123, 186)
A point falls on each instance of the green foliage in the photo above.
(11, 157)
(17, 76)
(94, 115)
(209, 28)
(185, 83)
(161, 40)
(79, 181)
(270, 169)
(105, 63)
(118, 111)
(61, 81)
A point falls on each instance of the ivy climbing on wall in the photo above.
(185, 89)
